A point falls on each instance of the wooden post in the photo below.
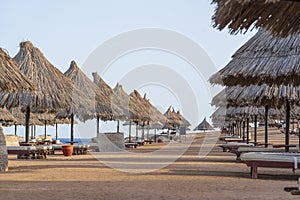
(244, 126)
(248, 130)
(27, 118)
(118, 126)
(129, 130)
(16, 128)
(72, 128)
(287, 127)
(56, 134)
(255, 130)
(98, 124)
(136, 131)
(266, 125)
(45, 130)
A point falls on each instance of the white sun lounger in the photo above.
(271, 160)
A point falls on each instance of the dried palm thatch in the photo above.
(263, 59)
(258, 95)
(11, 79)
(54, 90)
(155, 115)
(20, 116)
(102, 103)
(183, 121)
(117, 112)
(279, 16)
(46, 118)
(173, 119)
(122, 99)
(232, 113)
(6, 117)
(140, 107)
(204, 126)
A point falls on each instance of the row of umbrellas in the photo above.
(262, 75)
(39, 87)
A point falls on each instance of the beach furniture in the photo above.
(131, 144)
(242, 150)
(233, 146)
(270, 160)
(233, 139)
(23, 151)
(79, 149)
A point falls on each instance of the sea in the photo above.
(77, 140)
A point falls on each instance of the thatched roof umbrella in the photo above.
(11, 79)
(117, 111)
(46, 119)
(54, 90)
(204, 126)
(6, 117)
(281, 17)
(102, 102)
(263, 59)
(173, 119)
(141, 108)
(183, 121)
(122, 99)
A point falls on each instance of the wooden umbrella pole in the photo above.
(287, 127)
(16, 129)
(72, 128)
(247, 130)
(136, 131)
(56, 131)
(118, 126)
(27, 118)
(45, 130)
(255, 130)
(266, 125)
(129, 130)
(98, 124)
(244, 130)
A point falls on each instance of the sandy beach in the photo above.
(189, 177)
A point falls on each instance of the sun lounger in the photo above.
(271, 160)
(235, 140)
(233, 146)
(80, 149)
(23, 151)
(242, 150)
(131, 144)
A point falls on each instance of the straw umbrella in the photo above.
(171, 118)
(6, 117)
(203, 126)
(102, 102)
(281, 17)
(54, 90)
(141, 110)
(117, 112)
(12, 80)
(156, 117)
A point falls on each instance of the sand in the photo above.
(189, 177)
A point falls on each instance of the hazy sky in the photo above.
(66, 30)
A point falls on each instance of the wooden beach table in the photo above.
(270, 160)
(242, 150)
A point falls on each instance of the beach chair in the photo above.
(270, 160)
(242, 150)
(233, 146)
(23, 152)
